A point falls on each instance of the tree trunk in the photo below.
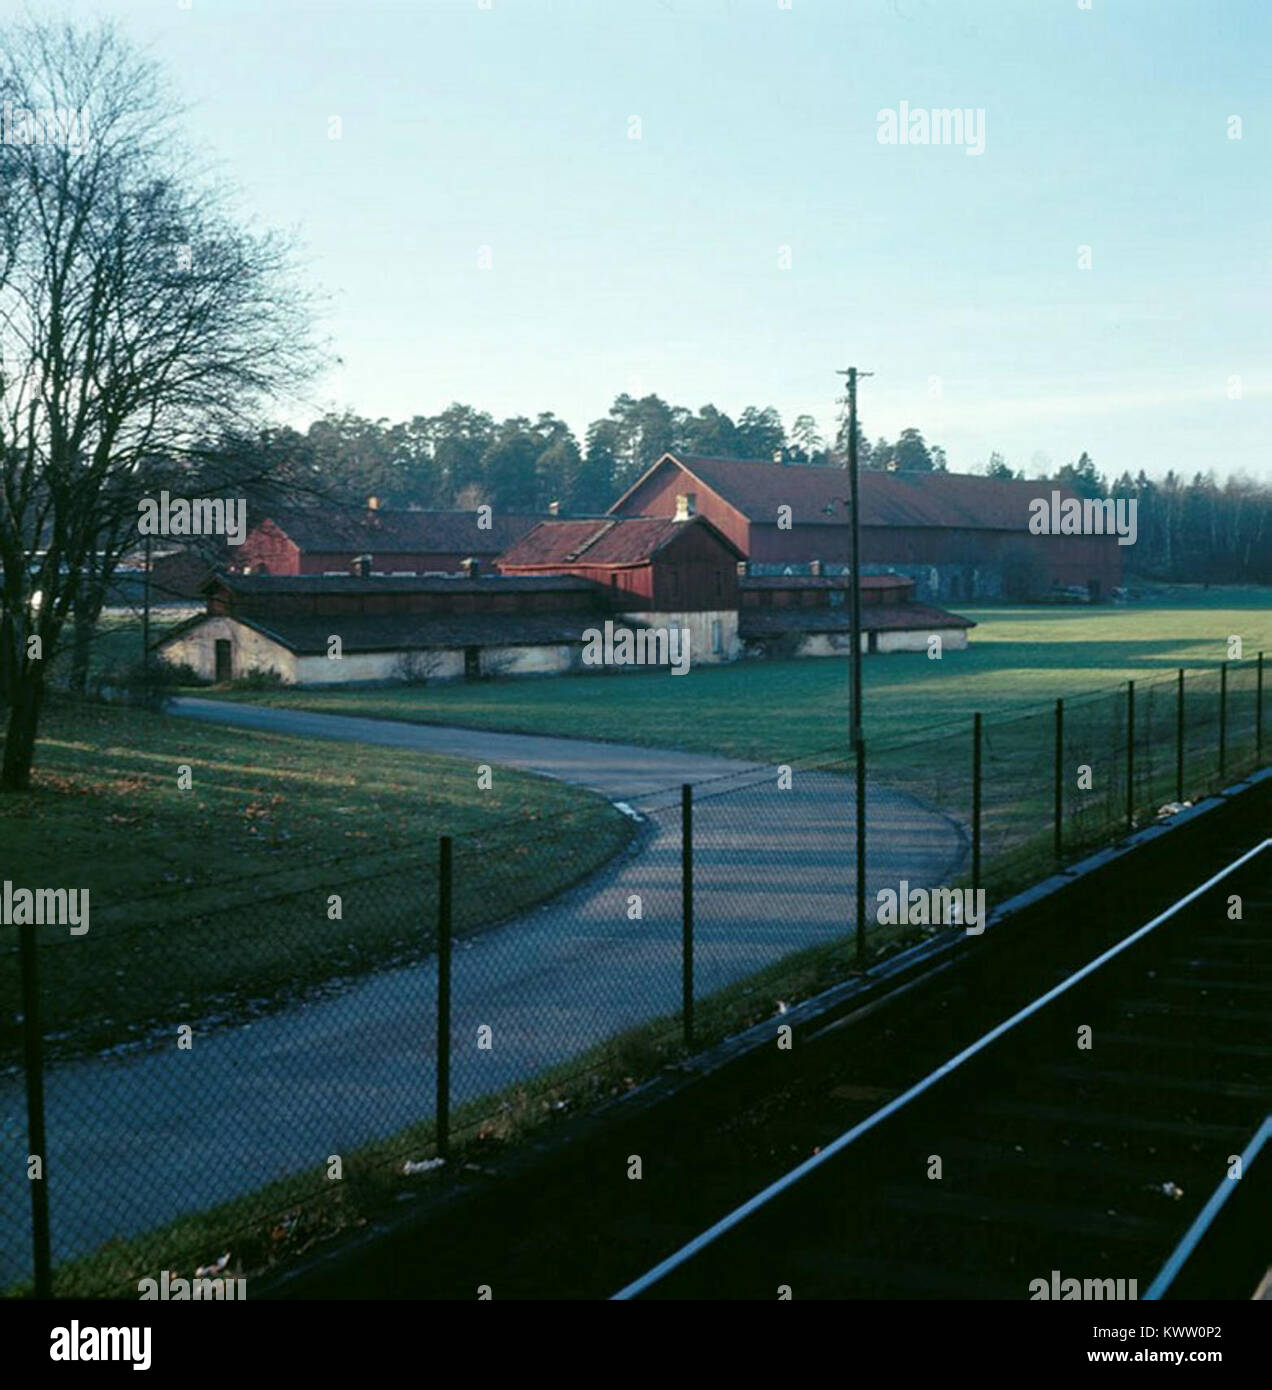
(81, 647)
(19, 745)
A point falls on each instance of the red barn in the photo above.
(655, 569)
(956, 536)
(388, 542)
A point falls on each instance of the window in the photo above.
(717, 636)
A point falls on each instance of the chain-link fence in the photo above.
(240, 1072)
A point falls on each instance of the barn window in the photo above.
(717, 636)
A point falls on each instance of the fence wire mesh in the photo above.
(305, 1093)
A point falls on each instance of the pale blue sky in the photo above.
(653, 264)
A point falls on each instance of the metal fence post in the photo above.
(1223, 718)
(33, 1059)
(1258, 712)
(1059, 782)
(1179, 737)
(444, 884)
(1130, 756)
(686, 910)
(861, 853)
(976, 801)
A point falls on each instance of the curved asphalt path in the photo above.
(136, 1140)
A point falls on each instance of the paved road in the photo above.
(135, 1141)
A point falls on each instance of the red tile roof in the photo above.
(818, 496)
(616, 541)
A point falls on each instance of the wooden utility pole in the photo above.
(858, 742)
(853, 495)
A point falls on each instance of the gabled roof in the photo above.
(310, 636)
(606, 541)
(903, 617)
(319, 532)
(394, 584)
(819, 496)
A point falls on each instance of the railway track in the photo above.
(1076, 1140)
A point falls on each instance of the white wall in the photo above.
(699, 626)
(249, 650)
(953, 639)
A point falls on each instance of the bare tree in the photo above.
(136, 318)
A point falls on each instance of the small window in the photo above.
(717, 636)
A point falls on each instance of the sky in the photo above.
(537, 204)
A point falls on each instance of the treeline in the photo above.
(1188, 531)
(1198, 531)
(463, 457)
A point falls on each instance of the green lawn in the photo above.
(239, 867)
(1019, 659)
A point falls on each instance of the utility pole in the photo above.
(145, 612)
(853, 494)
(858, 742)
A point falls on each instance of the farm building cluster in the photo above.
(745, 558)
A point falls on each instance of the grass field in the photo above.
(269, 828)
(1019, 659)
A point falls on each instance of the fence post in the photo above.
(976, 801)
(1258, 713)
(861, 853)
(1179, 737)
(1130, 756)
(33, 1059)
(1059, 782)
(686, 910)
(443, 996)
(1223, 718)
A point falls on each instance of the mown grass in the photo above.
(214, 901)
(1019, 659)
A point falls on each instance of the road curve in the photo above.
(135, 1141)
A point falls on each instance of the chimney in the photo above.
(686, 505)
(373, 504)
(815, 568)
(471, 568)
(779, 455)
(362, 567)
(554, 509)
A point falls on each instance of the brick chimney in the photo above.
(554, 509)
(373, 504)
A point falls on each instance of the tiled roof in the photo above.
(331, 531)
(308, 636)
(396, 584)
(824, 581)
(818, 496)
(610, 540)
(906, 617)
